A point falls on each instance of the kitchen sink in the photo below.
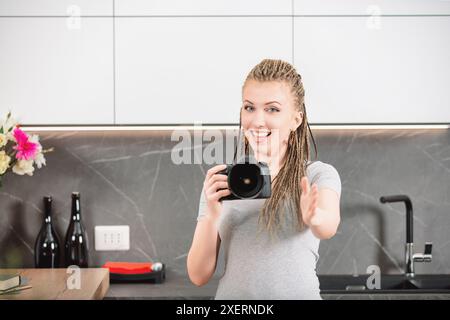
(388, 284)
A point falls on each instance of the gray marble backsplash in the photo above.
(129, 178)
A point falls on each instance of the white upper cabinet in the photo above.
(57, 70)
(371, 7)
(202, 7)
(387, 70)
(56, 7)
(184, 62)
(191, 70)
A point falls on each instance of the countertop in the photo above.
(174, 287)
(52, 284)
(179, 287)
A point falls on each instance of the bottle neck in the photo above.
(48, 212)
(76, 212)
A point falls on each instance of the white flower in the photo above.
(3, 140)
(4, 162)
(7, 125)
(24, 167)
(35, 139)
(39, 160)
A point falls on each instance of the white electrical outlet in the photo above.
(112, 238)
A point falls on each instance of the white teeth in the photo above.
(260, 133)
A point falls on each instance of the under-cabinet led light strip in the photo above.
(232, 127)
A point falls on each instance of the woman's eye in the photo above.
(273, 109)
(248, 108)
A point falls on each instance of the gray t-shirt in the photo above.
(258, 266)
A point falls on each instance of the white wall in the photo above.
(168, 62)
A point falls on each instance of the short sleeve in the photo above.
(201, 206)
(324, 175)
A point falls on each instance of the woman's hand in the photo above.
(309, 200)
(212, 185)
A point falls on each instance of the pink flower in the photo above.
(26, 149)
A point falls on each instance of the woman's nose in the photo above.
(258, 119)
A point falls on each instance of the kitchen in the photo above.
(112, 87)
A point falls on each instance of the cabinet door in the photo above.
(202, 7)
(56, 7)
(394, 71)
(56, 70)
(371, 7)
(191, 70)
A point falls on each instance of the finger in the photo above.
(313, 198)
(211, 192)
(220, 194)
(218, 177)
(214, 170)
(305, 185)
(211, 173)
(310, 208)
(314, 191)
(314, 205)
(315, 202)
(218, 185)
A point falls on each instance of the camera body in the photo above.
(248, 179)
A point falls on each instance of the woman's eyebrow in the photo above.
(272, 102)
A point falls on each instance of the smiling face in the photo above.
(268, 115)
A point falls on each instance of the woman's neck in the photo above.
(273, 161)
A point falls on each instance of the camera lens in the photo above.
(245, 180)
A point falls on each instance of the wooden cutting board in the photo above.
(59, 284)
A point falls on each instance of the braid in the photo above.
(286, 185)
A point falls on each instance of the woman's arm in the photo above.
(320, 209)
(202, 257)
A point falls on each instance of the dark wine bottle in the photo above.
(47, 247)
(76, 244)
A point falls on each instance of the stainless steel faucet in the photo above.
(410, 256)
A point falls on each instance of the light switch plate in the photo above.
(112, 238)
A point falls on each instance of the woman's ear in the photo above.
(298, 119)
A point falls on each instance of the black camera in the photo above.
(248, 180)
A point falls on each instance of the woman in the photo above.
(270, 245)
